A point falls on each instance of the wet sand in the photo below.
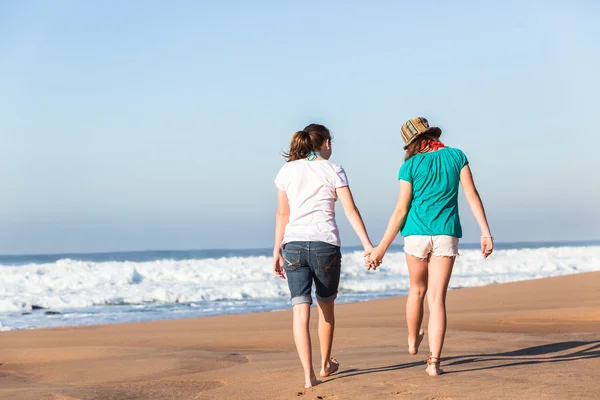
(536, 339)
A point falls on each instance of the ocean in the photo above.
(43, 291)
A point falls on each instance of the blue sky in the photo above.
(159, 125)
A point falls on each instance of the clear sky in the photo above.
(130, 125)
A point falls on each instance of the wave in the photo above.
(69, 284)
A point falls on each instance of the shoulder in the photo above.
(286, 173)
(407, 165)
(405, 173)
(458, 155)
(455, 151)
(335, 167)
(410, 160)
(329, 167)
(338, 175)
(288, 166)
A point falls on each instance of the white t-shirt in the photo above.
(310, 188)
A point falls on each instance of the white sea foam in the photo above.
(69, 284)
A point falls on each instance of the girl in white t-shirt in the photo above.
(307, 242)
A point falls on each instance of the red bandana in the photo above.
(432, 145)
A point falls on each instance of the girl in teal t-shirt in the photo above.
(427, 215)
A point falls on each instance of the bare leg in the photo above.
(302, 339)
(417, 270)
(326, 328)
(440, 269)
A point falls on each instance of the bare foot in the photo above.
(311, 382)
(433, 366)
(330, 368)
(413, 348)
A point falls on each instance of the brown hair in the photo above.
(420, 144)
(309, 139)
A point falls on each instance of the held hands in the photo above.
(487, 246)
(373, 258)
(278, 265)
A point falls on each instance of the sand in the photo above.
(536, 339)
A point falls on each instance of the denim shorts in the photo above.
(308, 262)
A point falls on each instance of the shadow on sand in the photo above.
(548, 353)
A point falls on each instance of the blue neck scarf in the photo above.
(313, 155)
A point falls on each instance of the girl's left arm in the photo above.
(396, 222)
(474, 200)
(354, 217)
(281, 220)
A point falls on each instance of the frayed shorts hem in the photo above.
(422, 257)
(426, 256)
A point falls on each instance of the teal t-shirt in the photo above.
(435, 178)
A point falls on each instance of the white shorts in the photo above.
(424, 246)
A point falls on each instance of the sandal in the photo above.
(435, 361)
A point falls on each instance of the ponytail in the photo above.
(300, 147)
(307, 140)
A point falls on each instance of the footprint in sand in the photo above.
(234, 358)
(322, 397)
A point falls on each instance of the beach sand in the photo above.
(536, 339)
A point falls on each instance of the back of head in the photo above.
(421, 144)
(306, 141)
(419, 136)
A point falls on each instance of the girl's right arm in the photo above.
(474, 200)
(281, 220)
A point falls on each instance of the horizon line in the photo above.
(525, 242)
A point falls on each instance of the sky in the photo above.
(160, 125)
